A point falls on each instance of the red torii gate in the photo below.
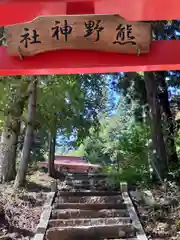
(164, 55)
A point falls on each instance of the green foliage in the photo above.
(121, 146)
(67, 101)
(12, 93)
(132, 175)
(69, 104)
(131, 154)
(178, 143)
(79, 152)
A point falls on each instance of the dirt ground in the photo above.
(161, 217)
(20, 211)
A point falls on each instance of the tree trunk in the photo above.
(168, 119)
(8, 148)
(52, 148)
(159, 150)
(21, 174)
(10, 134)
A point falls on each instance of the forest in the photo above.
(127, 122)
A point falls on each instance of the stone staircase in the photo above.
(87, 211)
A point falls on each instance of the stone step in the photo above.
(85, 184)
(88, 193)
(82, 187)
(91, 232)
(89, 199)
(79, 184)
(85, 181)
(90, 175)
(86, 178)
(120, 238)
(76, 213)
(88, 222)
(89, 206)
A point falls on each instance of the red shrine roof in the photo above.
(72, 162)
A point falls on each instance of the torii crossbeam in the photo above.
(164, 55)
